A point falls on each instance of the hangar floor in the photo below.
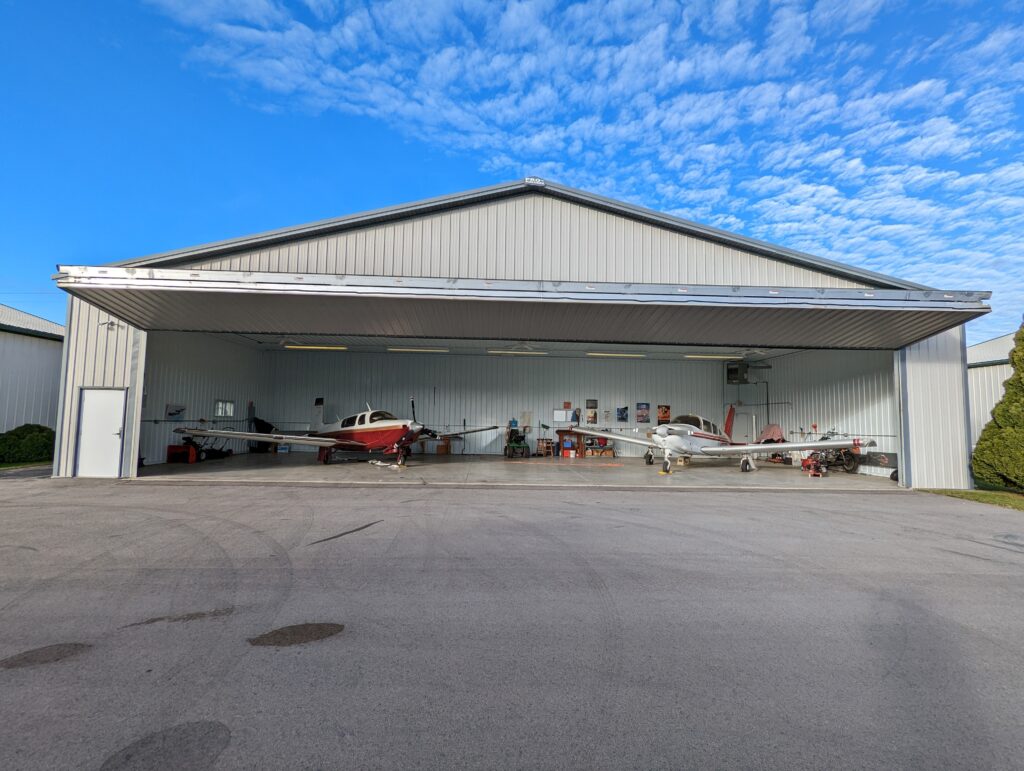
(492, 471)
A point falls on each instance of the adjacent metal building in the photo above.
(30, 360)
(524, 295)
(988, 368)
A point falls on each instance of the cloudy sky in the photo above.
(883, 134)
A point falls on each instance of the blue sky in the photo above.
(882, 134)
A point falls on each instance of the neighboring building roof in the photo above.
(994, 351)
(531, 185)
(19, 322)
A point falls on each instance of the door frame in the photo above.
(124, 426)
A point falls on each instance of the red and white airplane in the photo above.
(371, 431)
(688, 436)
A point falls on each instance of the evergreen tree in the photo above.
(999, 454)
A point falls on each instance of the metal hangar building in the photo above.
(503, 301)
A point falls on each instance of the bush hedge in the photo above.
(27, 444)
(999, 455)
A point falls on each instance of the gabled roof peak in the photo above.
(529, 185)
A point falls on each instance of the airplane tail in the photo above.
(318, 414)
(730, 417)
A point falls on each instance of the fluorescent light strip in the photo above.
(418, 350)
(508, 352)
(713, 356)
(617, 355)
(317, 347)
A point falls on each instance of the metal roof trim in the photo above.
(529, 185)
(463, 289)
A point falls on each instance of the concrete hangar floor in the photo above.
(490, 471)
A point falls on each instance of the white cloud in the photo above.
(897, 153)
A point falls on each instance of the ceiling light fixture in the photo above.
(610, 355)
(316, 347)
(714, 356)
(515, 352)
(418, 350)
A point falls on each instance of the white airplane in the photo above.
(689, 436)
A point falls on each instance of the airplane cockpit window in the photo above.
(380, 415)
(714, 429)
(349, 421)
(362, 418)
(687, 420)
(707, 426)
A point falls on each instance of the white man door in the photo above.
(100, 432)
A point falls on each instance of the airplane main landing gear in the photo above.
(666, 466)
(747, 464)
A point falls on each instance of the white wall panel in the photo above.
(527, 237)
(100, 351)
(485, 390)
(936, 440)
(851, 391)
(194, 370)
(29, 380)
(985, 386)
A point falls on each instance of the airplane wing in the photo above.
(616, 437)
(457, 434)
(768, 449)
(310, 441)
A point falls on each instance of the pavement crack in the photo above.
(347, 532)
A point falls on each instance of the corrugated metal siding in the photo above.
(991, 350)
(935, 412)
(195, 370)
(99, 352)
(485, 390)
(985, 385)
(851, 391)
(527, 237)
(29, 380)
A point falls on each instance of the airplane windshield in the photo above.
(687, 420)
(379, 415)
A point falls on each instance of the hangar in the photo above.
(509, 302)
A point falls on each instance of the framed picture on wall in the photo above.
(591, 404)
(643, 412)
(592, 417)
(664, 414)
(622, 414)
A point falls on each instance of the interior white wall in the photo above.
(195, 370)
(851, 391)
(486, 390)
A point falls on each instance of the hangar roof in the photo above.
(266, 243)
(166, 299)
(19, 322)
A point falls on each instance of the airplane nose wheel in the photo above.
(649, 458)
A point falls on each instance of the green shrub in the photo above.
(27, 444)
(999, 455)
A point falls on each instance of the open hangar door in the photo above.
(463, 384)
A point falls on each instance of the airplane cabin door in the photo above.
(100, 432)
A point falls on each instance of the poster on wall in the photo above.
(664, 414)
(607, 416)
(576, 415)
(591, 404)
(174, 412)
(591, 417)
(622, 414)
(643, 412)
(566, 405)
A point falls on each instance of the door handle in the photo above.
(118, 432)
